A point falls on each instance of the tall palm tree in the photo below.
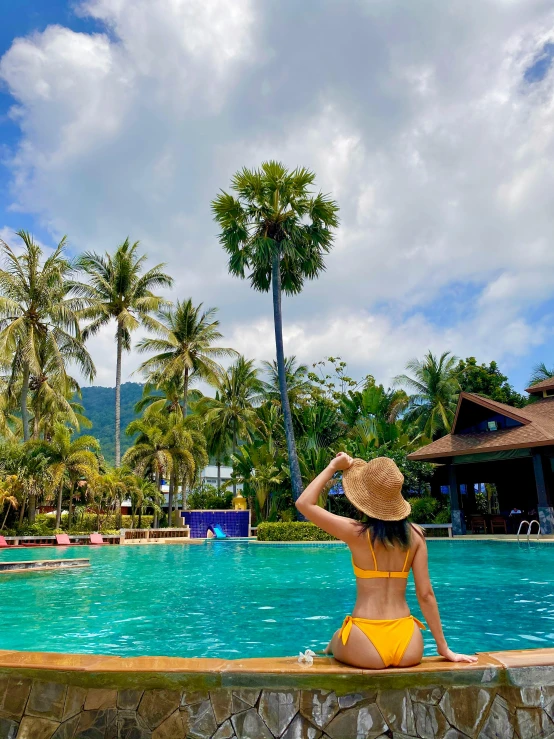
(184, 346)
(38, 310)
(433, 404)
(69, 461)
(118, 288)
(276, 233)
(231, 416)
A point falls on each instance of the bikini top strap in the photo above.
(406, 560)
(371, 549)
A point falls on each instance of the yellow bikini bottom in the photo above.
(389, 637)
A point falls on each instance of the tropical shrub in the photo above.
(208, 499)
(292, 531)
(423, 509)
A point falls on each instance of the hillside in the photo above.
(99, 405)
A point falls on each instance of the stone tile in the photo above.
(131, 726)
(74, 701)
(249, 725)
(50, 661)
(321, 706)
(202, 723)
(47, 700)
(396, 707)
(521, 697)
(290, 665)
(225, 731)
(431, 695)
(222, 704)
(247, 696)
(454, 734)
(128, 700)
(465, 708)
(8, 728)
(96, 724)
(14, 693)
(278, 708)
(500, 721)
(300, 728)
(32, 727)
(352, 699)
(157, 705)
(430, 722)
(100, 698)
(360, 722)
(530, 677)
(68, 729)
(533, 723)
(190, 697)
(174, 727)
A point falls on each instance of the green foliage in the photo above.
(89, 523)
(292, 531)
(423, 509)
(98, 403)
(208, 499)
(488, 381)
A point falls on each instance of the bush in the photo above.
(292, 531)
(89, 522)
(208, 499)
(423, 509)
(443, 516)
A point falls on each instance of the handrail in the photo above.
(529, 529)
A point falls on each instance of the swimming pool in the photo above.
(234, 599)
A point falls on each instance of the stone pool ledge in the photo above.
(63, 696)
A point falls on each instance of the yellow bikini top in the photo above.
(369, 574)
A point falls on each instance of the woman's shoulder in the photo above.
(418, 536)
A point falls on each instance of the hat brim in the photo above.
(356, 490)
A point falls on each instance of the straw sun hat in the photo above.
(375, 488)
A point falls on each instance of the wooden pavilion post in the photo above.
(458, 521)
(544, 496)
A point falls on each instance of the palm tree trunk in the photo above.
(118, 397)
(155, 522)
(59, 507)
(32, 507)
(185, 391)
(295, 477)
(70, 509)
(24, 394)
(170, 499)
(218, 475)
(22, 511)
(139, 518)
(234, 451)
(6, 516)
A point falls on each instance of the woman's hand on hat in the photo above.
(341, 462)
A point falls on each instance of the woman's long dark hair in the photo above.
(387, 533)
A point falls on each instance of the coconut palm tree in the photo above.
(69, 461)
(277, 233)
(540, 373)
(38, 310)
(298, 385)
(433, 405)
(184, 347)
(231, 416)
(118, 288)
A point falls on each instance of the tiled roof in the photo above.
(540, 386)
(538, 430)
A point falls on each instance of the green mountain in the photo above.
(99, 405)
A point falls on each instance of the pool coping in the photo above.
(517, 667)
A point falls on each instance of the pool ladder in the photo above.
(529, 528)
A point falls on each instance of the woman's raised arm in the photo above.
(340, 526)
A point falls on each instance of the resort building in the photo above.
(507, 452)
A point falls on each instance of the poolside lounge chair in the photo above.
(96, 539)
(3, 542)
(62, 539)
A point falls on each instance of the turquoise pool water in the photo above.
(231, 599)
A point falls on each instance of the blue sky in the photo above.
(430, 125)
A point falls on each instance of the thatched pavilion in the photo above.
(490, 442)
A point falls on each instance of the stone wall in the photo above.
(490, 702)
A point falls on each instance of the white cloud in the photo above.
(415, 117)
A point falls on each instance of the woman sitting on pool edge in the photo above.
(385, 546)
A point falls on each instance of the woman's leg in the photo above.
(414, 650)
